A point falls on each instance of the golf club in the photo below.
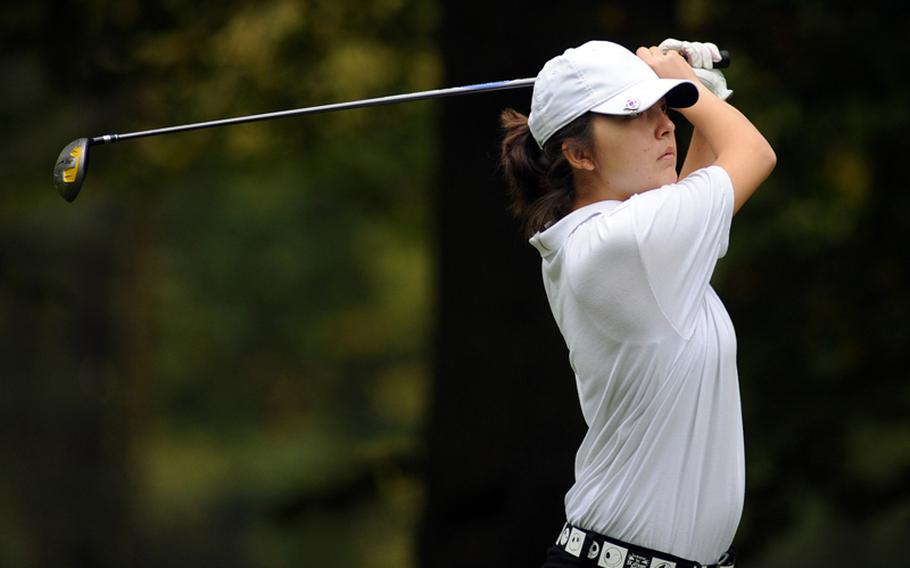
(72, 163)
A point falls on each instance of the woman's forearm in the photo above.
(738, 146)
(698, 156)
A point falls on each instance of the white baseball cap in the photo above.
(602, 77)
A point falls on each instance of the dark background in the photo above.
(323, 342)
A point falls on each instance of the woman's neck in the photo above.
(591, 189)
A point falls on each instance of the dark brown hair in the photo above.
(541, 185)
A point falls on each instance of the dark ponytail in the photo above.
(541, 185)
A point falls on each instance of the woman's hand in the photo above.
(667, 65)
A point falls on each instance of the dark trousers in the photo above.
(559, 558)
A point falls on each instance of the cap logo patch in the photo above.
(632, 104)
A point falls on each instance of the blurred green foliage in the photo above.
(218, 355)
(817, 284)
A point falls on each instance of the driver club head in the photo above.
(71, 167)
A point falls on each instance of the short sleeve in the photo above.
(604, 271)
(682, 230)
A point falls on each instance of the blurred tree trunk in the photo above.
(66, 434)
(504, 422)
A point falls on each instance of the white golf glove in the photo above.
(702, 56)
(715, 81)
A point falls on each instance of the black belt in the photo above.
(605, 552)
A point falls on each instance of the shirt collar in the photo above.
(552, 238)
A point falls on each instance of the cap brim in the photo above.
(680, 93)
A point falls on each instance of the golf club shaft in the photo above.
(434, 94)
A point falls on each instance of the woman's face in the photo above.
(635, 153)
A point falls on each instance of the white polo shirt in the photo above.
(654, 355)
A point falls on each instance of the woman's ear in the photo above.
(579, 158)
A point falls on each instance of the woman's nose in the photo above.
(665, 126)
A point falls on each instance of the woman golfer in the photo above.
(628, 249)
